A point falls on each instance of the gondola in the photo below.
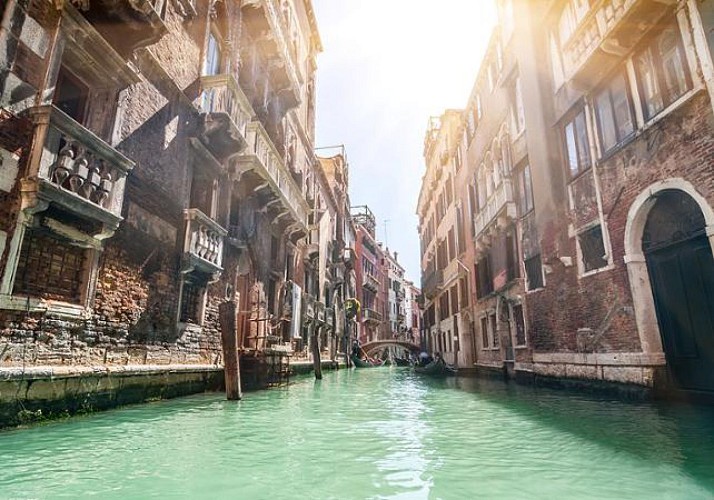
(363, 363)
(402, 362)
(437, 368)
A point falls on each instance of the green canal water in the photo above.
(381, 433)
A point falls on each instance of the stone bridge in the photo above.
(370, 347)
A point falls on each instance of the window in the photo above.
(592, 249)
(577, 145)
(71, 95)
(517, 113)
(454, 299)
(212, 62)
(444, 305)
(484, 333)
(614, 113)
(464, 292)
(520, 325)
(534, 272)
(452, 244)
(484, 281)
(662, 73)
(191, 302)
(50, 268)
(495, 341)
(525, 191)
(460, 239)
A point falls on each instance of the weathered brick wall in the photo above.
(679, 145)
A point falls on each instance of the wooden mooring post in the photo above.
(317, 363)
(229, 335)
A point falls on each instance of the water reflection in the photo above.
(371, 434)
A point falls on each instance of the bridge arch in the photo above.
(371, 347)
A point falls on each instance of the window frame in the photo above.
(621, 72)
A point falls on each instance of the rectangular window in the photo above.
(212, 62)
(662, 73)
(484, 285)
(464, 292)
(191, 301)
(525, 191)
(577, 145)
(454, 299)
(484, 333)
(50, 268)
(495, 341)
(452, 245)
(534, 272)
(518, 115)
(614, 113)
(592, 249)
(520, 325)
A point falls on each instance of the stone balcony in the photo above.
(282, 196)
(370, 282)
(606, 34)
(203, 242)
(500, 209)
(431, 283)
(263, 18)
(225, 112)
(371, 316)
(74, 169)
(128, 24)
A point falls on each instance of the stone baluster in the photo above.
(80, 172)
(64, 165)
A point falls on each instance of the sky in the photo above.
(387, 66)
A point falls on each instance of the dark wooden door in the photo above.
(682, 278)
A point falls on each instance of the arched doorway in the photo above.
(681, 269)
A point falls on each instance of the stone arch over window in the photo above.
(640, 287)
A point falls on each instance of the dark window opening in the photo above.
(520, 325)
(50, 268)
(191, 302)
(534, 272)
(484, 332)
(71, 95)
(592, 248)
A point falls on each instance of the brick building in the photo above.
(602, 113)
(157, 159)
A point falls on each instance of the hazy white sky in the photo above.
(387, 66)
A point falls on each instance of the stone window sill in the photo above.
(31, 304)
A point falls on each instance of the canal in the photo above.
(381, 433)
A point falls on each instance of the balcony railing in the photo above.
(432, 282)
(76, 169)
(606, 33)
(221, 95)
(203, 244)
(263, 157)
(370, 315)
(370, 281)
(500, 203)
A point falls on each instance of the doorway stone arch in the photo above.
(640, 282)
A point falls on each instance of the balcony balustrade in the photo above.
(431, 283)
(75, 169)
(500, 208)
(262, 158)
(203, 244)
(227, 112)
(129, 24)
(609, 30)
(371, 282)
(369, 315)
(264, 18)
